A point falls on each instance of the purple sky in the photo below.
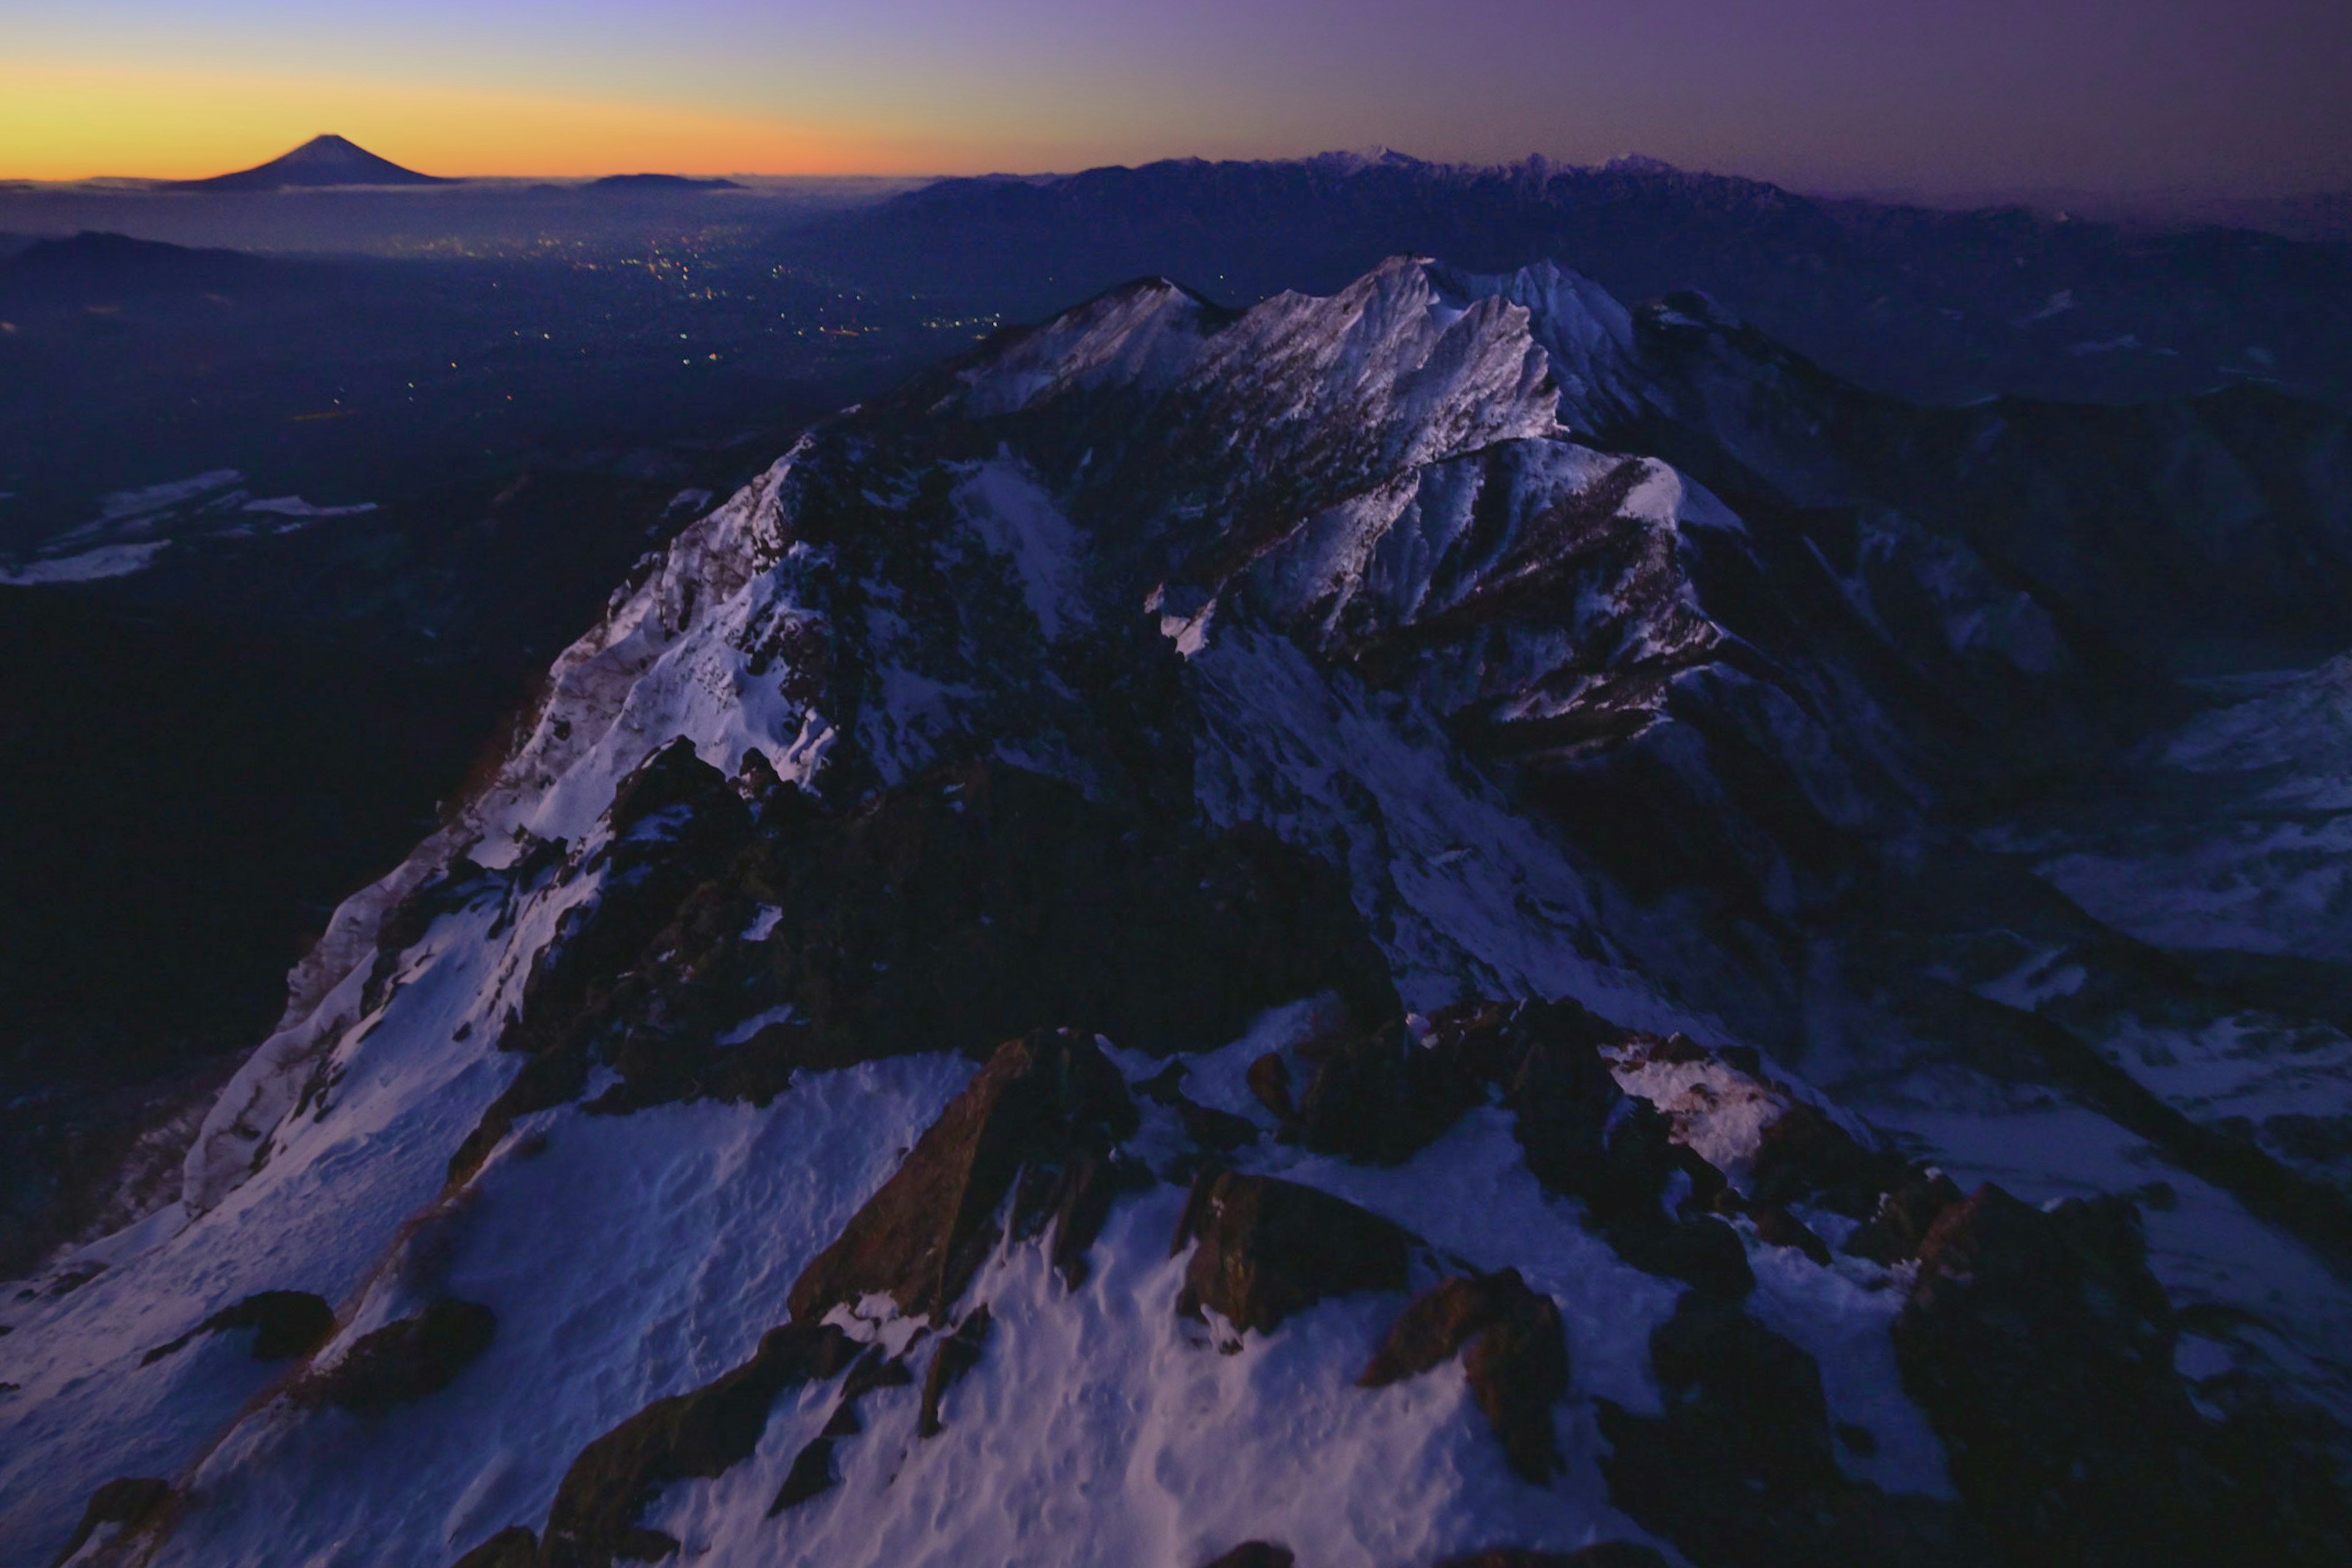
(2216, 96)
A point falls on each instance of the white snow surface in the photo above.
(89, 566)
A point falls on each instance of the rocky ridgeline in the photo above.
(1156, 687)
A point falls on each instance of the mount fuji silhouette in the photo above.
(320, 161)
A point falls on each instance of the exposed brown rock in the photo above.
(514, 1547)
(133, 1502)
(1740, 1470)
(1601, 1554)
(704, 1433)
(2041, 1348)
(1255, 1554)
(1380, 1098)
(1516, 1363)
(1269, 1079)
(1045, 1102)
(1804, 1155)
(955, 1355)
(287, 1323)
(1776, 1226)
(1268, 1248)
(403, 1360)
(1902, 1219)
(1698, 1251)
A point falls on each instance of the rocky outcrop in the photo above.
(2041, 1349)
(132, 1505)
(1741, 1471)
(403, 1360)
(1267, 1248)
(1601, 1554)
(1047, 1102)
(285, 1323)
(1516, 1363)
(812, 1470)
(1254, 1555)
(956, 1354)
(514, 1547)
(705, 1433)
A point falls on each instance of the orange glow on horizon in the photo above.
(74, 122)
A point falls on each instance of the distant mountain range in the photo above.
(320, 161)
(1935, 306)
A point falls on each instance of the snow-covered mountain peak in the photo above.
(1183, 944)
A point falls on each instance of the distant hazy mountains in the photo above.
(1941, 307)
(320, 161)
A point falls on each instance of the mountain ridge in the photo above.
(1570, 950)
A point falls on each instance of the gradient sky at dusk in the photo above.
(2240, 96)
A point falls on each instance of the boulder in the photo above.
(286, 1323)
(1600, 1554)
(1380, 1098)
(955, 1355)
(2041, 1349)
(1267, 1248)
(701, 1434)
(403, 1360)
(514, 1547)
(1254, 1555)
(1740, 1470)
(1047, 1102)
(133, 1502)
(1516, 1363)
(1894, 1232)
(1698, 1251)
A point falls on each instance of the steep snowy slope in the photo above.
(1192, 932)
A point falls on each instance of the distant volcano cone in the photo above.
(322, 161)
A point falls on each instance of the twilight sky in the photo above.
(2242, 96)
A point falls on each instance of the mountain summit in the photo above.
(320, 161)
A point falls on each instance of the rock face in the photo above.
(285, 1323)
(1517, 1360)
(1044, 1103)
(404, 1361)
(704, 1433)
(130, 1504)
(1742, 1468)
(1263, 1249)
(2041, 1349)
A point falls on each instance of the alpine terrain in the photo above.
(1445, 924)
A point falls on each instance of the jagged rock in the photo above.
(1583, 1137)
(1046, 1102)
(1776, 1226)
(1380, 1098)
(1268, 1248)
(1072, 1200)
(513, 1547)
(1601, 1554)
(2041, 1349)
(286, 1323)
(1902, 1219)
(1698, 1251)
(1269, 1079)
(1804, 1155)
(812, 1469)
(403, 1360)
(1516, 1363)
(955, 1355)
(1741, 1469)
(132, 1503)
(1254, 1555)
(701, 1434)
